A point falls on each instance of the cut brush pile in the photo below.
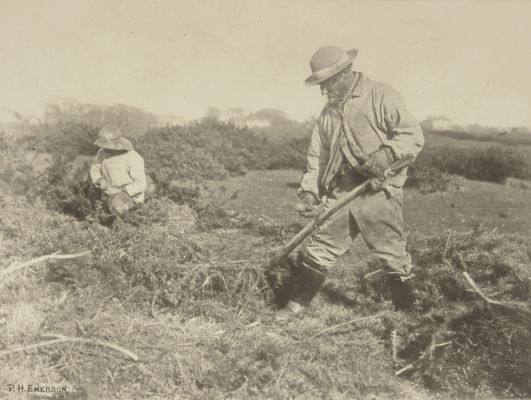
(471, 329)
(193, 307)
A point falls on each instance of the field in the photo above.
(440, 139)
(184, 298)
(466, 206)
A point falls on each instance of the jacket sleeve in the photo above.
(137, 174)
(95, 167)
(404, 133)
(317, 159)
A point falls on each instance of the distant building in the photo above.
(171, 119)
(437, 123)
(257, 123)
(242, 118)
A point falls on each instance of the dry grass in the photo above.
(193, 305)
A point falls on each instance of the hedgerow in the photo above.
(289, 154)
(506, 138)
(181, 159)
(213, 150)
(68, 139)
(492, 164)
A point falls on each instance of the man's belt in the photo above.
(356, 173)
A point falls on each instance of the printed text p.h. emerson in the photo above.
(35, 388)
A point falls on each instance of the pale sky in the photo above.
(470, 61)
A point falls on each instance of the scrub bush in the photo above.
(16, 176)
(203, 150)
(214, 150)
(289, 154)
(73, 194)
(68, 139)
(514, 138)
(492, 164)
(427, 180)
(181, 159)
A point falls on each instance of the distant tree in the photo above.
(132, 120)
(274, 116)
(236, 116)
(521, 129)
(212, 113)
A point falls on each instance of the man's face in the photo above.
(334, 88)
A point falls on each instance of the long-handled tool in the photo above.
(279, 255)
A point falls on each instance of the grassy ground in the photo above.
(205, 346)
(466, 206)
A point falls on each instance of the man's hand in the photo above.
(379, 162)
(309, 200)
(308, 208)
(112, 191)
(308, 213)
(102, 184)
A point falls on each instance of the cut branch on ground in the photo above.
(54, 256)
(352, 321)
(66, 339)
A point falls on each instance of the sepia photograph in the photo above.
(265, 199)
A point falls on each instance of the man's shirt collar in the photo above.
(361, 85)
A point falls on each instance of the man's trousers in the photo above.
(376, 215)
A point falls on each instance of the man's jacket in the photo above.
(373, 116)
(124, 171)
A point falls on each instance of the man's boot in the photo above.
(291, 309)
(307, 278)
(402, 293)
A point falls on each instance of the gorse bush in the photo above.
(495, 165)
(70, 192)
(508, 138)
(214, 150)
(181, 159)
(165, 255)
(427, 180)
(68, 189)
(289, 154)
(205, 150)
(178, 161)
(492, 164)
(68, 139)
(168, 158)
(15, 169)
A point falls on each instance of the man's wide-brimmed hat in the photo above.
(329, 61)
(111, 138)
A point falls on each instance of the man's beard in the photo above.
(333, 99)
(338, 98)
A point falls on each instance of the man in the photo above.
(362, 130)
(118, 171)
